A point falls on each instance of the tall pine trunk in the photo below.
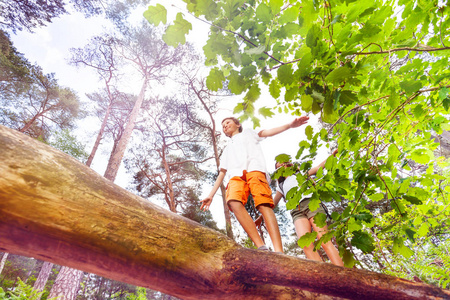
(3, 261)
(117, 156)
(99, 136)
(44, 273)
(66, 284)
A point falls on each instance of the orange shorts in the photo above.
(239, 188)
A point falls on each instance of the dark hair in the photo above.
(236, 121)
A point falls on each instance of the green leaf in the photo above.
(410, 234)
(265, 76)
(274, 89)
(348, 97)
(256, 50)
(349, 261)
(354, 225)
(420, 156)
(376, 197)
(285, 74)
(329, 115)
(291, 94)
(312, 38)
(282, 158)
(176, 34)
(253, 93)
(446, 104)
(412, 199)
(248, 71)
(393, 151)
(275, 5)
(314, 202)
(156, 14)
(307, 239)
(266, 112)
(363, 241)
(263, 13)
(424, 229)
(293, 198)
(304, 66)
(290, 29)
(315, 108)
(364, 216)
(215, 79)
(320, 220)
(394, 100)
(411, 86)
(335, 216)
(289, 15)
(336, 19)
(324, 134)
(400, 248)
(307, 102)
(236, 83)
(443, 94)
(317, 96)
(309, 132)
(338, 75)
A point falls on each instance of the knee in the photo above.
(264, 207)
(234, 204)
(328, 246)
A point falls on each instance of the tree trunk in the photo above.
(44, 273)
(171, 198)
(55, 208)
(212, 131)
(99, 135)
(117, 155)
(67, 277)
(3, 262)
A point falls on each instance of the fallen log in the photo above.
(56, 209)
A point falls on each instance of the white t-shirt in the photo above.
(243, 152)
(289, 183)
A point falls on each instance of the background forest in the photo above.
(372, 75)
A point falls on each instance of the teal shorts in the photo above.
(302, 211)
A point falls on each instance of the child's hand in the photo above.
(299, 121)
(205, 203)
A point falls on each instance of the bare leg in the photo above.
(272, 226)
(330, 249)
(246, 221)
(302, 227)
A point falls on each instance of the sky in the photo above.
(49, 47)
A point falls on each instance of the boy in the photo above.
(243, 162)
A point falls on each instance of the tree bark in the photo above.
(3, 262)
(99, 135)
(66, 284)
(50, 201)
(44, 273)
(117, 155)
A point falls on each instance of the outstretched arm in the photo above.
(207, 201)
(314, 170)
(274, 131)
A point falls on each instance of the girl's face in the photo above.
(230, 128)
